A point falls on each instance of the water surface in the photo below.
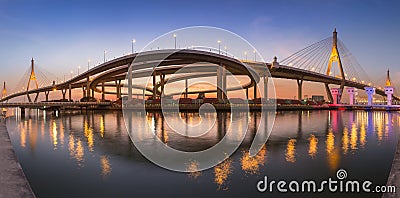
(90, 154)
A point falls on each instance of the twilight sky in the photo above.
(63, 35)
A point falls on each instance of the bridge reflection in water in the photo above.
(91, 154)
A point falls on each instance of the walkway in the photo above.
(13, 182)
(394, 176)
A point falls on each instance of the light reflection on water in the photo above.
(94, 150)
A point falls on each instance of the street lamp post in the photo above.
(133, 42)
(245, 54)
(219, 46)
(226, 50)
(175, 39)
(78, 69)
(255, 55)
(71, 73)
(105, 51)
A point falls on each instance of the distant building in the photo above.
(317, 98)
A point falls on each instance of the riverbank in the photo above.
(394, 176)
(13, 182)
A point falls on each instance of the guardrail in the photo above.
(52, 104)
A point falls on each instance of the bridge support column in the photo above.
(162, 80)
(63, 91)
(255, 91)
(129, 82)
(328, 92)
(370, 92)
(46, 93)
(351, 91)
(389, 90)
(22, 111)
(88, 86)
(154, 85)
(36, 98)
(265, 87)
(224, 91)
(92, 93)
(299, 88)
(219, 84)
(70, 93)
(186, 88)
(83, 92)
(247, 93)
(103, 94)
(118, 88)
(336, 93)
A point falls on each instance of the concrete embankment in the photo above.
(394, 176)
(13, 182)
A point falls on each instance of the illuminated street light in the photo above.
(105, 52)
(88, 64)
(174, 39)
(245, 54)
(219, 46)
(133, 42)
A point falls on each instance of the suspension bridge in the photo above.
(328, 62)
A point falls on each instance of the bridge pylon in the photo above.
(335, 57)
(4, 92)
(389, 89)
(32, 79)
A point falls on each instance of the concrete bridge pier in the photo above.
(154, 85)
(69, 92)
(255, 91)
(299, 88)
(351, 91)
(219, 84)
(88, 86)
(46, 93)
(162, 80)
(389, 90)
(336, 93)
(370, 92)
(22, 111)
(266, 87)
(118, 88)
(186, 88)
(83, 92)
(103, 95)
(129, 83)
(328, 92)
(63, 91)
(224, 91)
(247, 93)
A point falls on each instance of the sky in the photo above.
(62, 35)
